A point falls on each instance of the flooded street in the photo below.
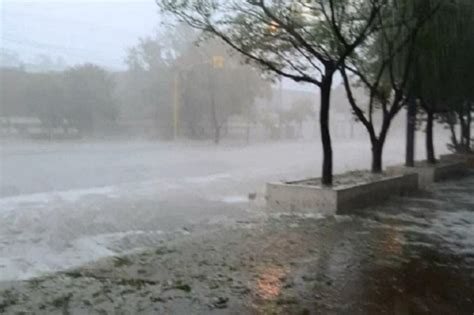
(237, 157)
(66, 204)
(413, 255)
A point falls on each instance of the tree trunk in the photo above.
(468, 127)
(454, 138)
(430, 151)
(464, 137)
(247, 134)
(217, 135)
(465, 126)
(325, 132)
(462, 130)
(377, 150)
(411, 128)
(378, 144)
(215, 122)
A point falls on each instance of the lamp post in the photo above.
(217, 63)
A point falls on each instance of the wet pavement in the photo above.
(413, 255)
(69, 203)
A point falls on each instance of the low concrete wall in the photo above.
(293, 197)
(300, 198)
(467, 158)
(375, 192)
(428, 174)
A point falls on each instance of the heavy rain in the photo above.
(236, 157)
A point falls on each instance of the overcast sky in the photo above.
(96, 31)
(79, 31)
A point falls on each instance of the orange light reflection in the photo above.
(270, 283)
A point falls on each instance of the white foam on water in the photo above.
(207, 179)
(24, 262)
(232, 199)
(38, 199)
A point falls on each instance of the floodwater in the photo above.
(412, 255)
(65, 204)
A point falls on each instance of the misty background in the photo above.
(114, 127)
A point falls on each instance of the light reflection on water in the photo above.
(270, 282)
(393, 242)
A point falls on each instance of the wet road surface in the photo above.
(66, 204)
(413, 255)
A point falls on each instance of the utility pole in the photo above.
(217, 63)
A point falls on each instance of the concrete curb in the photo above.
(466, 157)
(429, 174)
(293, 197)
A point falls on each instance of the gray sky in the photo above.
(97, 31)
(79, 31)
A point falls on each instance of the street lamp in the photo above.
(218, 62)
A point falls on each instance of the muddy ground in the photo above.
(411, 256)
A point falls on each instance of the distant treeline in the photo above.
(169, 88)
(79, 98)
